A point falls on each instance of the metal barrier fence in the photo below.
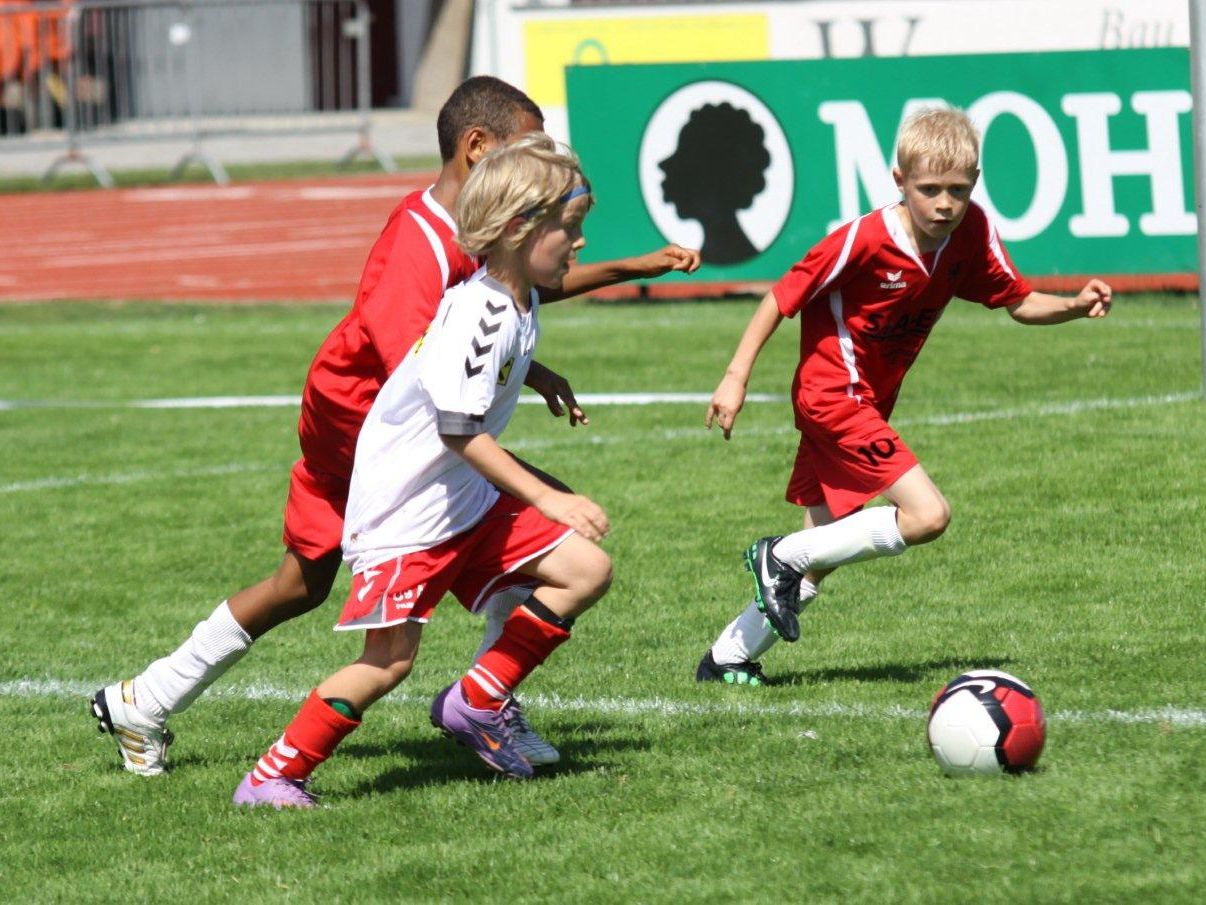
(80, 72)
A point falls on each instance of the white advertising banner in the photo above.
(529, 43)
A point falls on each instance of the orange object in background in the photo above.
(29, 41)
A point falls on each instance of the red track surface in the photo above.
(270, 241)
(252, 241)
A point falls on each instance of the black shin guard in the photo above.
(544, 614)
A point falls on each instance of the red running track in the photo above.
(268, 241)
(289, 241)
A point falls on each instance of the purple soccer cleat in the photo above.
(279, 792)
(487, 732)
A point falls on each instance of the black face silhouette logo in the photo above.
(717, 170)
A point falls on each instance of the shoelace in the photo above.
(299, 791)
(513, 719)
(516, 719)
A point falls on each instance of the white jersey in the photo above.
(409, 491)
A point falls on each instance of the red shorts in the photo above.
(848, 455)
(473, 565)
(314, 511)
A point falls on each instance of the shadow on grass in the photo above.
(437, 761)
(892, 672)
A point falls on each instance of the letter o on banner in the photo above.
(1050, 156)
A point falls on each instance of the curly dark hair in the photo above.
(482, 101)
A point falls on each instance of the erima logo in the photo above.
(893, 280)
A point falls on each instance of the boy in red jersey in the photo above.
(415, 259)
(868, 296)
(437, 505)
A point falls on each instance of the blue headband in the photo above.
(576, 192)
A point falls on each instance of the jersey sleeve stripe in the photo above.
(845, 343)
(437, 247)
(843, 257)
(994, 243)
(458, 424)
(437, 209)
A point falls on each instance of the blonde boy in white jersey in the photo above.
(437, 505)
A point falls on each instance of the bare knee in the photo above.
(595, 575)
(297, 586)
(923, 523)
(305, 583)
(588, 581)
(390, 654)
(392, 674)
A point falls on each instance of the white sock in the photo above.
(749, 636)
(864, 535)
(746, 638)
(498, 610)
(170, 684)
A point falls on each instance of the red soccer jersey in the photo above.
(869, 302)
(413, 261)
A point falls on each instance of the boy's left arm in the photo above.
(557, 392)
(1039, 308)
(584, 278)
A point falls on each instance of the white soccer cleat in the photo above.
(142, 742)
(528, 741)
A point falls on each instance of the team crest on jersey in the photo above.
(414, 350)
(892, 280)
(505, 371)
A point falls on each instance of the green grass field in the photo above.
(1072, 458)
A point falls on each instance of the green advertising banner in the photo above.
(1087, 156)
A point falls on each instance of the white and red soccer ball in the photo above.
(986, 721)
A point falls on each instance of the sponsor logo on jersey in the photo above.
(505, 371)
(892, 280)
(409, 596)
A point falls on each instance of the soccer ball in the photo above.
(986, 721)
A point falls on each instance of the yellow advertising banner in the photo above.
(553, 44)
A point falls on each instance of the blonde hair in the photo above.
(940, 138)
(528, 178)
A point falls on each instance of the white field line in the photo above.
(576, 437)
(134, 477)
(1073, 407)
(229, 402)
(1166, 715)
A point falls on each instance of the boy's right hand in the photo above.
(577, 512)
(726, 403)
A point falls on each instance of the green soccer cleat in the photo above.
(776, 588)
(744, 673)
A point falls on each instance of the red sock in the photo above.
(310, 739)
(525, 643)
